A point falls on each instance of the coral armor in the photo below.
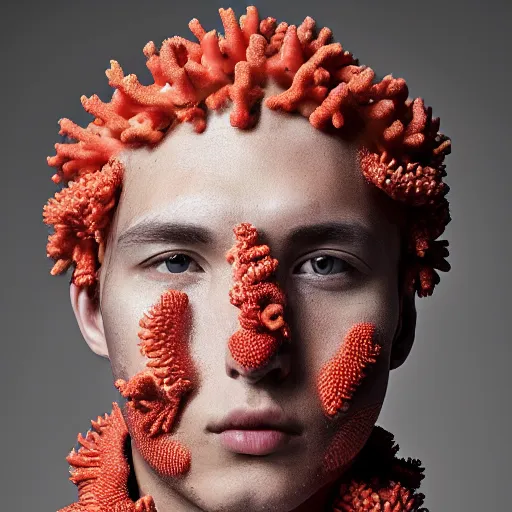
(401, 151)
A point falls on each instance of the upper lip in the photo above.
(256, 419)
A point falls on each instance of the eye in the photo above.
(324, 265)
(178, 264)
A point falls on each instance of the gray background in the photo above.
(448, 405)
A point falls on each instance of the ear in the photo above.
(406, 329)
(90, 321)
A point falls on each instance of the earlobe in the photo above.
(404, 337)
(90, 321)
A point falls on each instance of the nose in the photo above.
(275, 370)
(260, 346)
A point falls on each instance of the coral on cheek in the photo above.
(343, 373)
(156, 394)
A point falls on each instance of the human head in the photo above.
(377, 162)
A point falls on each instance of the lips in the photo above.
(255, 431)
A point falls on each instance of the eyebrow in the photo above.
(350, 232)
(154, 231)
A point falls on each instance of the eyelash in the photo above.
(162, 261)
(349, 268)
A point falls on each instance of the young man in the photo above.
(249, 384)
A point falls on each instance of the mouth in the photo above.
(255, 431)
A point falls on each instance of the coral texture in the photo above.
(342, 374)
(260, 300)
(378, 481)
(401, 150)
(156, 394)
(100, 469)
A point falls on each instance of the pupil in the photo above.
(177, 263)
(323, 264)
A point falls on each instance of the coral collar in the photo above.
(377, 481)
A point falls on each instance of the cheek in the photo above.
(345, 371)
(155, 394)
(323, 320)
(350, 438)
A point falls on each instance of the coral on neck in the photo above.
(100, 469)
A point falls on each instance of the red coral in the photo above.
(341, 376)
(156, 394)
(100, 469)
(81, 215)
(261, 302)
(377, 480)
(401, 149)
(361, 496)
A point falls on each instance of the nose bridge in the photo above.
(224, 313)
(253, 347)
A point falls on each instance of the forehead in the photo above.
(280, 175)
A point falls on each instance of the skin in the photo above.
(280, 176)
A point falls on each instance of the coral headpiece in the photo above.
(401, 151)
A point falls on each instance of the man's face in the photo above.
(338, 253)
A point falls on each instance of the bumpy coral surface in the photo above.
(401, 152)
(100, 469)
(342, 374)
(378, 481)
(156, 394)
(259, 298)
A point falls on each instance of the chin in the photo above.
(255, 488)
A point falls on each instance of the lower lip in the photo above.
(253, 442)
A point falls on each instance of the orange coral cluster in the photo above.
(156, 394)
(401, 151)
(80, 215)
(360, 497)
(261, 301)
(379, 481)
(341, 375)
(100, 469)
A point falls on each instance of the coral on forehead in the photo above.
(401, 151)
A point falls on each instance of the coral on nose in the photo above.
(259, 298)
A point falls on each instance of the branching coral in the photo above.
(100, 469)
(342, 374)
(156, 394)
(377, 480)
(261, 301)
(401, 150)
